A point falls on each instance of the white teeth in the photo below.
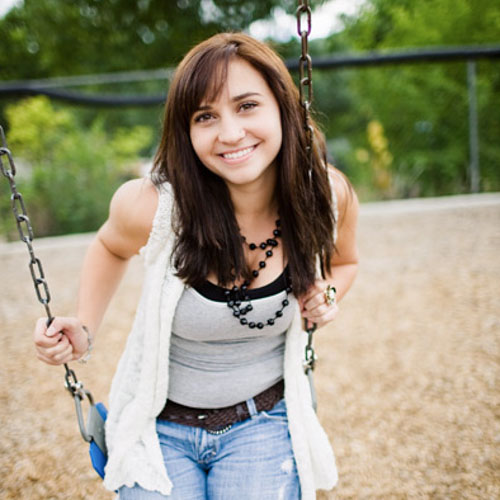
(238, 154)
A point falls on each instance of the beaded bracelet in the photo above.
(88, 353)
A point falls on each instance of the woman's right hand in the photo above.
(63, 341)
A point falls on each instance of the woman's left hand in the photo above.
(313, 305)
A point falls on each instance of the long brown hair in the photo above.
(207, 234)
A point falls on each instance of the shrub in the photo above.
(69, 172)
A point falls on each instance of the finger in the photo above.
(65, 356)
(46, 359)
(320, 310)
(58, 355)
(61, 346)
(60, 324)
(40, 327)
(324, 317)
(47, 342)
(315, 302)
(323, 311)
(73, 330)
(314, 290)
(55, 362)
(39, 335)
(50, 351)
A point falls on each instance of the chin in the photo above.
(242, 180)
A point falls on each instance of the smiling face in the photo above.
(238, 135)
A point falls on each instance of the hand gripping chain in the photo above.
(75, 387)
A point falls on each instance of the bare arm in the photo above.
(122, 235)
(344, 261)
(345, 258)
(127, 229)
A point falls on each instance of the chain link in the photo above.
(310, 356)
(304, 25)
(303, 14)
(8, 169)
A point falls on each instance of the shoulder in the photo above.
(346, 198)
(138, 194)
(131, 214)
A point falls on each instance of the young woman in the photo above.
(240, 238)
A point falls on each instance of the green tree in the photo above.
(45, 38)
(423, 108)
(69, 172)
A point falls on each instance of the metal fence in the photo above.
(413, 123)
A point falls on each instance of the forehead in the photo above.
(236, 77)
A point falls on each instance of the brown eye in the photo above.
(248, 105)
(203, 117)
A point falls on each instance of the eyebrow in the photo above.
(236, 98)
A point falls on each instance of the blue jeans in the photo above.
(253, 460)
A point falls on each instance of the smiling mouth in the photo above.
(238, 154)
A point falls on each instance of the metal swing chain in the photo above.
(8, 169)
(304, 15)
(305, 74)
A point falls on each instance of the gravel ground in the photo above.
(407, 379)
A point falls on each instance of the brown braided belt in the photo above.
(221, 419)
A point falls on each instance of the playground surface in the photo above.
(407, 380)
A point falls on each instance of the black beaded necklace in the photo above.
(238, 299)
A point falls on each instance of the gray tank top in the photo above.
(214, 360)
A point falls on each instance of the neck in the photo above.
(257, 219)
(255, 201)
(251, 207)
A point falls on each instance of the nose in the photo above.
(230, 130)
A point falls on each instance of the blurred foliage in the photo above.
(406, 23)
(397, 131)
(69, 172)
(422, 107)
(45, 38)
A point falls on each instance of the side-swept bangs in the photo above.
(201, 78)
